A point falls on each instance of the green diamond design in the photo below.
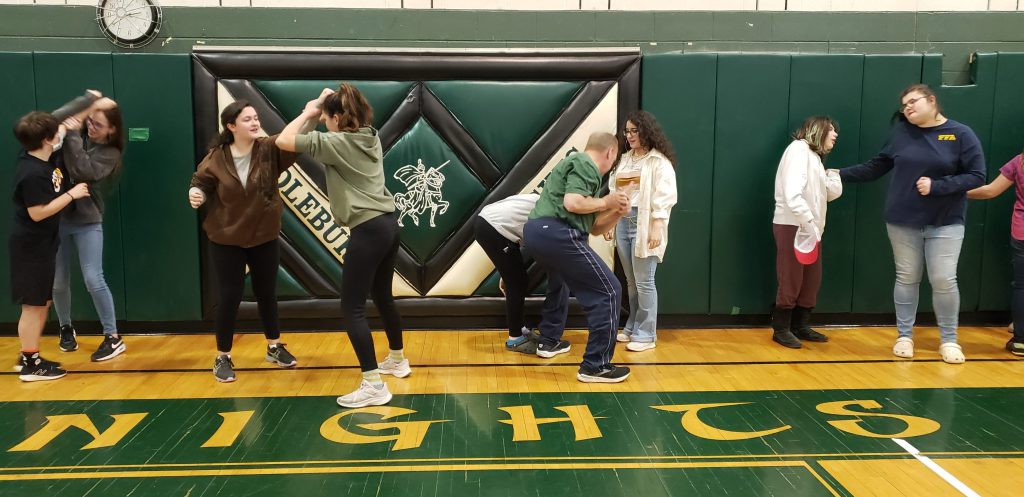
(290, 96)
(450, 201)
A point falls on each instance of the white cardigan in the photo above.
(657, 196)
(803, 188)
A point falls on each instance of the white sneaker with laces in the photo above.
(622, 337)
(639, 346)
(366, 395)
(398, 369)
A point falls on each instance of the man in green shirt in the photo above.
(557, 235)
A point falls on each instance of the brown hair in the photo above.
(351, 107)
(651, 135)
(116, 121)
(227, 116)
(34, 128)
(922, 89)
(815, 131)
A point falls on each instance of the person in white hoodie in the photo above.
(646, 173)
(802, 190)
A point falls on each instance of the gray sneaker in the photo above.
(279, 355)
(224, 369)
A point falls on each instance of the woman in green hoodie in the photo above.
(351, 153)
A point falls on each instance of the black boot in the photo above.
(781, 319)
(801, 316)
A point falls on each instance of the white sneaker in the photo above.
(640, 346)
(622, 337)
(399, 369)
(366, 395)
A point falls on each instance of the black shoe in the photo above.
(68, 342)
(1015, 348)
(786, 339)
(800, 329)
(781, 320)
(109, 348)
(606, 374)
(36, 368)
(20, 363)
(548, 351)
(224, 369)
(279, 355)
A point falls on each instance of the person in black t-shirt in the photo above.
(40, 193)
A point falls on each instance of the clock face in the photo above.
(129, 23)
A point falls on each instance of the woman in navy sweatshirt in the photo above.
(935, 161)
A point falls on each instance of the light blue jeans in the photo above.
(938, 248)
(88, 239)
(643, 295)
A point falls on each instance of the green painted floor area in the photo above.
(719, 443)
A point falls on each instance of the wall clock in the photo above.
(129, 23)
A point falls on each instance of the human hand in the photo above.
(924, 185)
(78, 191)
(72, 123)
(196, 197)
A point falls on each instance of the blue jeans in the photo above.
(88, 239)
(1017, 303)
(938, 247)
(643, 295)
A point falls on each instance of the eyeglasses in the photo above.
(631, 131)
(90, 122)
(910, 103)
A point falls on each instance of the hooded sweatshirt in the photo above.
(355, 173)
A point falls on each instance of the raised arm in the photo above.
(304, 123)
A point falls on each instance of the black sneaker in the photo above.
(1015, 348)
(547, 351)
(20, 363)
(68, 341)
(110, 348)
(606, 374)
(277, 354)
(224, 369)
(36, 368)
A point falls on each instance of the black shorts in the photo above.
(33, 264)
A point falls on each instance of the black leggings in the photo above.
(229, 263)
(369, 270)
(508, 260)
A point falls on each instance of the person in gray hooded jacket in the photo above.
(91, 153)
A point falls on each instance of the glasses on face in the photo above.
(631, 131)
(910, 103)
(90, 122)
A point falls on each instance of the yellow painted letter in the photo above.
(916, 426)
(692, 423)
(526, 426)
(230, 428)
(410, 433)
(123, 423)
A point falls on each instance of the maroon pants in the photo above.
(798, 284)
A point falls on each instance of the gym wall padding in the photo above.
(729, 117)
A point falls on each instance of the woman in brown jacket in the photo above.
(237, 182)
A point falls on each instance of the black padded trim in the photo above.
(204, 102)
(401, 119)
(629, 93)
(417, 66)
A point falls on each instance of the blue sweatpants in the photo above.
(567, 258)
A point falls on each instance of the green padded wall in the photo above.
(1006, 142)
(679, 89)
(885, 76)
(161, 246)
(17, 84)
(832, 85)
(515, 115)
(751, 124)
(59, 78)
